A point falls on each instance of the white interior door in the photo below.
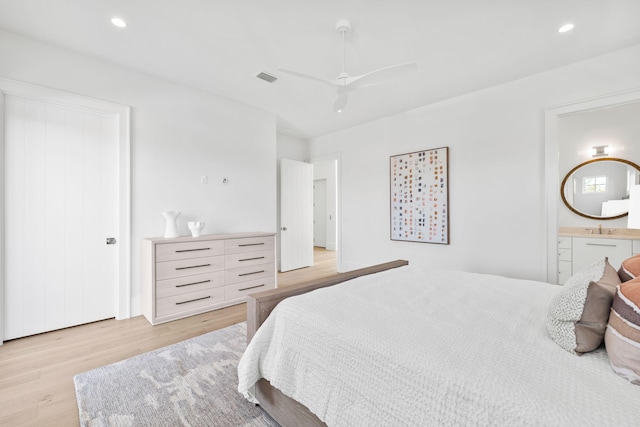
(320, 213)
(296, 214)
(60, 206)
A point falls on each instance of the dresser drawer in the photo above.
(242, 289)
(189, 267)
(248, 259)
(183, 285)
(185, 250)
(245, 274)
(189, 302)
(249, 244)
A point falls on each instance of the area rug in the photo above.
(191, 383)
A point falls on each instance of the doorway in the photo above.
(326, 173)
(553, 116)
(320, 213)
(325, 168)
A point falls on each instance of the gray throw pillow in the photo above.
(578, 315)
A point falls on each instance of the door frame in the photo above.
(552, 166)
(323, 182)
(123, 265)
(337, 157)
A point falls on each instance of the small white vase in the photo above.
(171, 229)
(196, 227)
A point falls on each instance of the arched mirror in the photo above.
(599, 188)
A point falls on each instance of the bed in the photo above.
(400, 345)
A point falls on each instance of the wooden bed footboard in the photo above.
(286, 411)
(260, 304)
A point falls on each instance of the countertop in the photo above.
(607, 233)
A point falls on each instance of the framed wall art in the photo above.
(420, 196)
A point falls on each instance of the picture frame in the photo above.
(419, 196)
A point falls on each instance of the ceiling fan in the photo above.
(344, 83)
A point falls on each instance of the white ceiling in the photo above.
(219, 46)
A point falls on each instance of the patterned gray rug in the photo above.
(191, 383)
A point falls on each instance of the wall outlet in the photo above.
(204, 179)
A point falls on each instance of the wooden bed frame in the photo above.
(286, 411)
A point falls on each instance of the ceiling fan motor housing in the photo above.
(343, 26)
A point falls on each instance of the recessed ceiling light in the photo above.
(118, 22)
(565, 28)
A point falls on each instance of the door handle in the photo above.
(283, 228)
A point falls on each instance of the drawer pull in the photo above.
(193, 300)
(193, 266)
(194, 283)
(600, 244)
(251, 259)
(251, 244)
(254, 272)
(251, 287)
(191, 250)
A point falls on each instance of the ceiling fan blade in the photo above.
(307, 76)
(341, 102)
(382, 75)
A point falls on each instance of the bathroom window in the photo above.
(594, 184)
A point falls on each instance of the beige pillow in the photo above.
(630, 268)
(622, 338)
(578, 315)
(593, 322)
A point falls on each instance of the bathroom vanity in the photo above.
(579, 247)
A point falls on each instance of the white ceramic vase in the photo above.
(171, 228)
(196, 227)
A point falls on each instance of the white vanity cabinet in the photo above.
(587, 250)
(575, 253)
(186, 276)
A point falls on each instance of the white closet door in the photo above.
(61, 203)
(296, 214)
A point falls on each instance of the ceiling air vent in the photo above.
(267, 77)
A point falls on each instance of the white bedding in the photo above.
(420, 347)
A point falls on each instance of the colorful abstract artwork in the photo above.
(420, 196)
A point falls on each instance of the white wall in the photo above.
(290, 147)
(496, 163)
(177, 135)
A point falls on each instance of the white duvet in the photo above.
(421, 347)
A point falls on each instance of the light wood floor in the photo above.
(36, 373)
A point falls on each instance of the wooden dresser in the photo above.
(186, 275)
